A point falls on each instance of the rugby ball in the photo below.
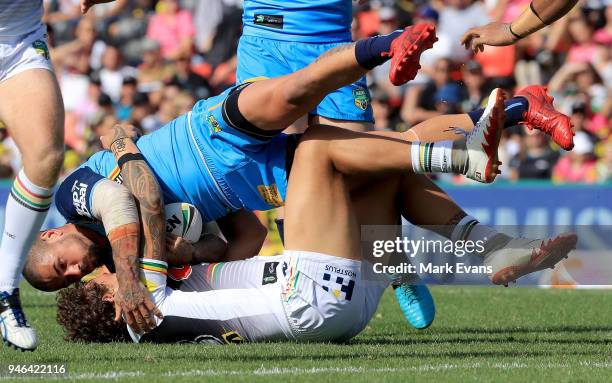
(184, 220)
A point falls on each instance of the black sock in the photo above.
(515, 109)
(368, 52)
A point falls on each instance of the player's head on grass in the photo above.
(61, 256)
(86, 311)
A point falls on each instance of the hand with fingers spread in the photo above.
(495, 34)
(134, 303)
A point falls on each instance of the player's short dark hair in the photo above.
(36, 256)
(86, 317)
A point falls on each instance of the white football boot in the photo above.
(522, 256)
(15, 329)
(483, 141)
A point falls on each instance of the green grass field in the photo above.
(480, 334)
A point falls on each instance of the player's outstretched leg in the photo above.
(276, 103)
(531, 107)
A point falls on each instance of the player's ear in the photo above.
(51, 234)
(108, 297)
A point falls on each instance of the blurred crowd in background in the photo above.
(146, 62)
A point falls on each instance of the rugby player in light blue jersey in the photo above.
(282, 36)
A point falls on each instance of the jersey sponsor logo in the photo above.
(270, 194)
(339, 286)
(362, 98)
(215, 127)
(40, 46)
(340, 271)
(269, 273)
(79, 198)
(180, 273)
(272, 21)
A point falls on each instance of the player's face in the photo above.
(109, 281)
(69, 261)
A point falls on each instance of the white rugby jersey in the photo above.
(19, 17)
(196, 314)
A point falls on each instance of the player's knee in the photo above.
(46, 163)
(313, 146)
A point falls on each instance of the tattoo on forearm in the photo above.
(335, 51)
(141, 182)
(118, 146)
(125, 254)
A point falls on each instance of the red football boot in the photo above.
(543, 116)
(406, 50)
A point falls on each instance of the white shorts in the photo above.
(23, 53)
(325, 298)
(299, 296)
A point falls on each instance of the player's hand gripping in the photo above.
(134, 302)
(495, 33)
(179, 251)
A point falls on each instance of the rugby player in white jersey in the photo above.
(31, 107)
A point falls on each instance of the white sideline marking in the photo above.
(263, 371)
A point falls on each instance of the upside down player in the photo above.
(307, 294)
(258, 179)
(352, 153)
(280, 37)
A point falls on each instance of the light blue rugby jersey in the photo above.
(175, 160)
(310, 21)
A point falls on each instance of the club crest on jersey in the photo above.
(270, 194)
(362, 98)
(339, 286)
(215, 127)
(269, 273)
(40, 46)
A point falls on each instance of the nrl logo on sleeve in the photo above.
(214, 124)
(362, 98)
(270, 194)
(41, 48)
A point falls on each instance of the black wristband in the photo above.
(129, 157)
(514, 34)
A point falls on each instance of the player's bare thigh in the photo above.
(33, 112)
(357, 126)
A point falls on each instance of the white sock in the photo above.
(432, 157)
(26, 210)
(469, 229)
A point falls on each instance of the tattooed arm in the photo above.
(134, 301)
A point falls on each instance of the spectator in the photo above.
(536, 160)
(172, 27)
(577, 165)
(456, 17)
(420, 102)
(477, 88)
